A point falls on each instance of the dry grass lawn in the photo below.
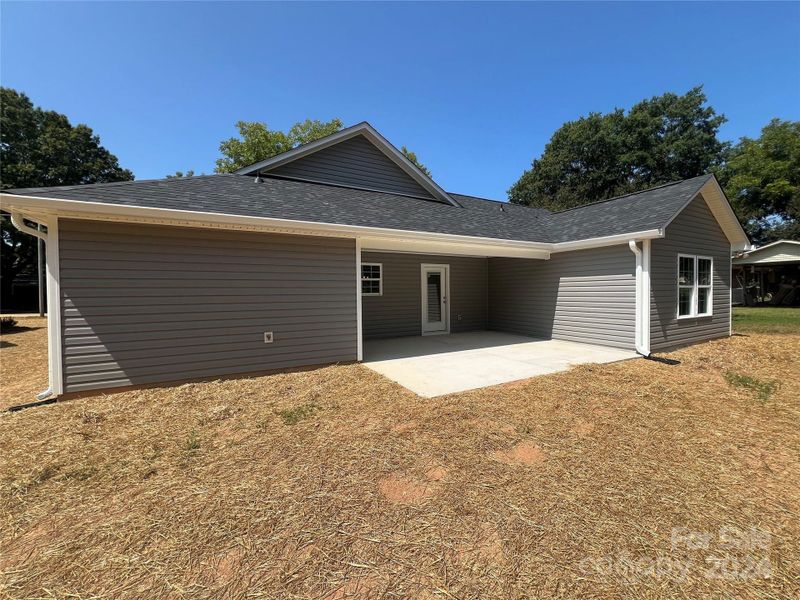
(337, 483)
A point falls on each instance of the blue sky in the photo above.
(476, 90)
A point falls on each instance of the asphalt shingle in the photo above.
(296, 200)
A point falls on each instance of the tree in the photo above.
(762, 180)
(42, 148)
(662, 139)
(258, 142)
(413, 158)
(181, 174)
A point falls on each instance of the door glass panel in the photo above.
(434, 281)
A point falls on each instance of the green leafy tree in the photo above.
(762, 180)
(41, 148)
(181, 174)
(413, 158)
(258, 142)
(661, 139)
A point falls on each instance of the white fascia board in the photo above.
(373, 136)
(117, 212)
(455, 249)
(610, 240)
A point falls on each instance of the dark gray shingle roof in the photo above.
(640, 211)
(303, 201)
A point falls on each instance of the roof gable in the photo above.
(356, 157)
(781, 251)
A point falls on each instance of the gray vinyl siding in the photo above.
(582, 296)
(146, 303)
(694, 231)
(355, 162)
(398, 312)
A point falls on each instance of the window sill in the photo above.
(704, 316)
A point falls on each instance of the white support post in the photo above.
(645, 337)
(642, 302)
(54, 350)
(359, 325)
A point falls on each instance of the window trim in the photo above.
(379, 279)
(695, 287)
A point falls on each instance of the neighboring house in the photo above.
(297, 259)
(768, 274)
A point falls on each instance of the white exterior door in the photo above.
(435, 301)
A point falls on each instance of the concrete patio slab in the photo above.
(444, 364)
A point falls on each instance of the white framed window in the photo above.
(695, 286)
(371, 279)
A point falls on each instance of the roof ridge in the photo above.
(506, 202)
(656, 187)
(76, 186)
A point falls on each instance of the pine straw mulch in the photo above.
(23, 361)
(337, 483)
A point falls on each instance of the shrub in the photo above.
(7, 324)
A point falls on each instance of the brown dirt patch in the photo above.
(357, 587)
(403, 427)
(492, 425)
(402, 489)
(229, 564)
(523, 454)
(582, 428)
(436, 473)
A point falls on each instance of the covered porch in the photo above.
(444, 364)
(442, 323)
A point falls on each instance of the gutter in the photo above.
(642, 335)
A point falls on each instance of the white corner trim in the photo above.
(54, 347)
(359, 310)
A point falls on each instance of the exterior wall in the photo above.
(355, 162)
(694, 231)
(146, 303)
(583, 296)
(398, 312)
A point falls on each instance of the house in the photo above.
(297, 259)
(768, 274)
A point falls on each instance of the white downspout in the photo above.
(642, 329)
(18, 222)
(53, 309)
